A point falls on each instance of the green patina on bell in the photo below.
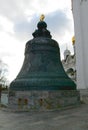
(42, 68)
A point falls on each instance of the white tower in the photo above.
(80, 10)
(66, 53)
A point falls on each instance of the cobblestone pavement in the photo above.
(71, 119)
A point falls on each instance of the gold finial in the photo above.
(73, 40)
(42, 17)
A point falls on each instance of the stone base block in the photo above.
(84, 95)
(42, 100)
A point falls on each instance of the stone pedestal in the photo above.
(43, 100)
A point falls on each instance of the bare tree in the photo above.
(3, 73)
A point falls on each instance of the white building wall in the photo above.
(80, 13)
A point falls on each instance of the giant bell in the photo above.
(42, 68)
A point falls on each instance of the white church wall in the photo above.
(80, 10)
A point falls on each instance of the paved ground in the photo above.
(72, 119)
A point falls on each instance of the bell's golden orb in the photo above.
(73, 40)
(42, 17)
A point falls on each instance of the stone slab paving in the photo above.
(70, 119)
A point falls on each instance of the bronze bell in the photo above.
(42, 68)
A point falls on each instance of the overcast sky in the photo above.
(18, 20)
